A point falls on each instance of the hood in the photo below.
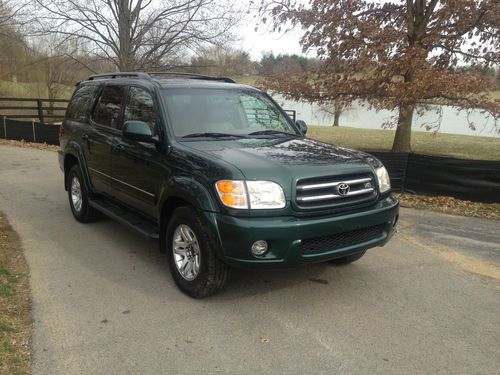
(283, 161)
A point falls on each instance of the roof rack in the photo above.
(193, 76)
(120, 74)
(149, 75)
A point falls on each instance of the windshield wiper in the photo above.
(213, 135)
(272, 132)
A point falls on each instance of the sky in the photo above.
(263, 40)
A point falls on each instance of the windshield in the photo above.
(195, 112)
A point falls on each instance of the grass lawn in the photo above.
(15, 317)
(440, 144)
(30, 90)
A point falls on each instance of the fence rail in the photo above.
(42, 112)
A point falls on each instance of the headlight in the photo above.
(265, 194)
(251, 194)
(384, 182)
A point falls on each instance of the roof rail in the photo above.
(150, 75)
(193, 76)
(120, 74)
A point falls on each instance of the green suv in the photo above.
(220, 175)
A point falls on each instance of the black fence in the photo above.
(40, 110)
(29, 131)
(474, 180)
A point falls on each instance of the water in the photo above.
(358, 116)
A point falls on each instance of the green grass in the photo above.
(440, 144)
(30, 90)
(5, 327)
(7, 283)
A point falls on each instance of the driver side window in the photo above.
(139, 107)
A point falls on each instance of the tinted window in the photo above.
(107, 109)
(140, 107)
(81, 102)
(225, 111)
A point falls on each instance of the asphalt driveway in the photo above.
(104, 302)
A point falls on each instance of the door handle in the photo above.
(119, 147)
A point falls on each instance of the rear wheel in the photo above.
(79, 197)
(347, 259)
(191, 254)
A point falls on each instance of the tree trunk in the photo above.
(402, 139)
(337, 107)
(125, 56)
(336, 118)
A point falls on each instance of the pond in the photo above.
(358, 116)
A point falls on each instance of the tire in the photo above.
(79, 207)
(198, 273)
(347, 259)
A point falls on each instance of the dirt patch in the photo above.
(15, 306)
(39, 146)
(449, 205)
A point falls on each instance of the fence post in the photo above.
(34, 136)
(40, 111)
(4, 127)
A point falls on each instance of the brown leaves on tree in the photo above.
(395, 54)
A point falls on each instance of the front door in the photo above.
(138, 171)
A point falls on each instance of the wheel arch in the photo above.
(183, 191)
(72, 156)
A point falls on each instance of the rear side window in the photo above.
(108, 108)
(81, 103)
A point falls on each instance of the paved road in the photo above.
(104, 302)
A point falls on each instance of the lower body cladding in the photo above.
(292, 241)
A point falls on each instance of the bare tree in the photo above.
(223, 60)
(10, 13)
(139, 34)
(396, 54)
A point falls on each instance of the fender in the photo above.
(73, 148)
(190, 190)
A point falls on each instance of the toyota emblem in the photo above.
(343, 189)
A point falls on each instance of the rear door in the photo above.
(138, 170)
(106, 124)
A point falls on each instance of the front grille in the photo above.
(331, 190)
(338, 240)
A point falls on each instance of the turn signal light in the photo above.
(232, 193)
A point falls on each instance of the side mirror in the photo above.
(137, 131)
(302, 126)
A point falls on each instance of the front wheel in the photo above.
(347, 259)
(191, 254)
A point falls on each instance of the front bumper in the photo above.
(285, 234)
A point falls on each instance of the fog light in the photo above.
(259, 247)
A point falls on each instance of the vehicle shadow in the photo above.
(129, 252)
